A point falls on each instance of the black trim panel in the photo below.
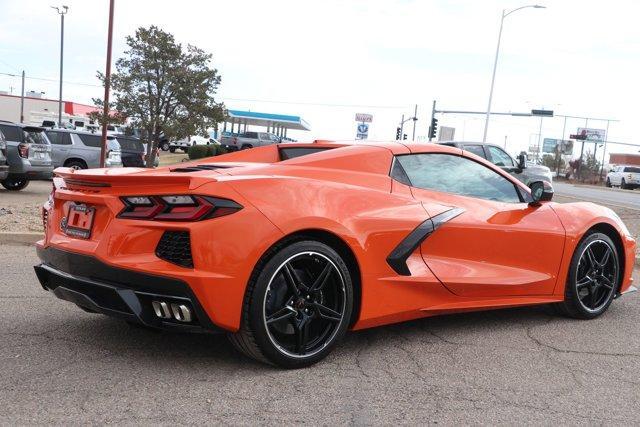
(94, 285)
(397, 259)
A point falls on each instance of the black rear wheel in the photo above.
(593, 279)
(15, 183)
(297, 306)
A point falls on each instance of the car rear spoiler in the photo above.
(129, 177)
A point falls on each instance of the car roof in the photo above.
(22, 125)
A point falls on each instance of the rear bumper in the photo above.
(93, 285)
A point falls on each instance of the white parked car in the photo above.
(624, 177)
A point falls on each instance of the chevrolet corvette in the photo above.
(286, 247)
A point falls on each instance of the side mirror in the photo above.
(541, 191)
(522, 160)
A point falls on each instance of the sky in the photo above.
(327, 60)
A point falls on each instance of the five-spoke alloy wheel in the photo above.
(297, 307)
(593, 277)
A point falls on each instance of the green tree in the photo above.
(164, 88)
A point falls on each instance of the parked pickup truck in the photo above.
(624, 177)
(249, 140)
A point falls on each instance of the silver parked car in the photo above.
(527, 172)
(81, 150)
(28, 154)
(4, 166)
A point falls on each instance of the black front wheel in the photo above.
(623, 184)
(164, 146)
(297, 307)
(594, 276)
(14, 183)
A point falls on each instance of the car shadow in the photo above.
(214, 351)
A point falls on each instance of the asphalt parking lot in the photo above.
(61, 365)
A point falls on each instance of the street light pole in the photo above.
(505, 13)
(61, 11)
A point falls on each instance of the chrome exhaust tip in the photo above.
(161, 309)
(181, 313)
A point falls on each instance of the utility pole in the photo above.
(107, 86)
(22, 100)
(415, 119)
(402, 127)
(61, 11)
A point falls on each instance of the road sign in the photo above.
(593, 135)
(549, 145)
(364, 118)
(362, 131)
(543, 113)
(446, 133)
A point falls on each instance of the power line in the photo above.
(51, 80)
(395, 107)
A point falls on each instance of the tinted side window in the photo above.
(500, 157)
(59, 138)
(476, 149)
(12, 133)
(90, 140)
(252, 135)
(632, 169)
(458, 175)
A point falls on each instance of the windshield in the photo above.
(35, 137)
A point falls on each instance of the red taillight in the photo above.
(176, 207)
(23, 150)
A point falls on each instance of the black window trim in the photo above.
(519, 190)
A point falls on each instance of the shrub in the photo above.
(215, 150)
(198, 151)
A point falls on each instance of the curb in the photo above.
(25, 238)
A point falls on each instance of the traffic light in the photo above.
(433, 128)
(398, 131)
(404, 136)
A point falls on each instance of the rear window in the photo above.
(90, 140)
(12, 133)
(293, 152)
(131, 144)
(35, 137)
(632, 169)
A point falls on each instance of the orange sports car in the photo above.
(285, 247)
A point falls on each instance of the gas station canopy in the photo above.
(268, 120)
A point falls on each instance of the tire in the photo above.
(307, 320)
(623, 184)
(164, 146)
(13, 183)
(593, 281)
(246, 147)
(172, 149)
(76, 164)
(608, 183)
